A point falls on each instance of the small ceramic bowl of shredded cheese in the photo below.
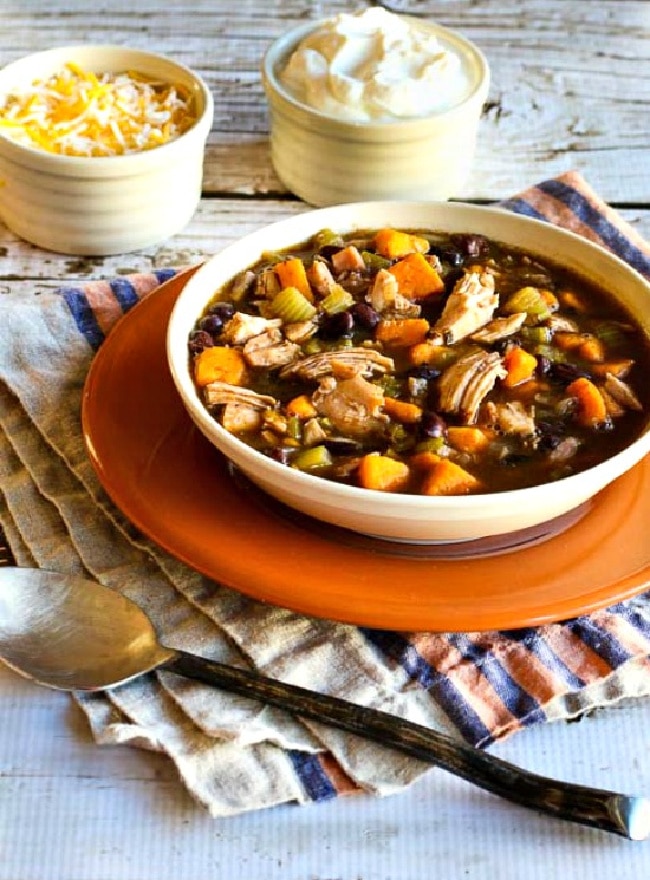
(101, 148)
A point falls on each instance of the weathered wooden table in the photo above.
(570, 90)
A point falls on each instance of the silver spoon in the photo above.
(71, 633)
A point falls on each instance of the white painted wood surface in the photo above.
(570, 90)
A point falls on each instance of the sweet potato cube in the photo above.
(382, 473)
(520, 365)
(402, 332)
(592, 409)
(468, 439)
(416, 278)
(292, 273)
(393, 244)
(445, 477)
(219, 364)
(402, 411)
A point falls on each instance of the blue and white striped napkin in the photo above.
(231, 753)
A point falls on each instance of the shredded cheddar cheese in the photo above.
(78, 113)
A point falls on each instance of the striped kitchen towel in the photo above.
(233, 754)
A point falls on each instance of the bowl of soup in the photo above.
(426, 372)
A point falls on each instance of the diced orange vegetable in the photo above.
(520, 365)
(416, 278)
(569, 341)
(292, 273)
(467, 439)
(592, 349)
(430, 353)
(394, 244)
(301, 407)
(382, 473)
(550, 299)
(620, 369)
(592, 409)
(445, 477)
(424, 460)
(571, 300)
(401, 411)
(402, 331)
(220, 364)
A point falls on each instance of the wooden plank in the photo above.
(217, 223)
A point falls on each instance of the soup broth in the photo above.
(420, 362)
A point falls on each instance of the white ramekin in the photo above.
(102, 205)
(326, 161)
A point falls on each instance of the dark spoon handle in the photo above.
(617, 813)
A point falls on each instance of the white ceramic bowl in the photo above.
(102, 205)
(327, 161)
(395, 516)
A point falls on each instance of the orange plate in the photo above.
(179, 490)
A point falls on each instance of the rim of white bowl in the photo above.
(178, 359)
(105, 165)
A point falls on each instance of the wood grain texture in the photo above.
(570, 79)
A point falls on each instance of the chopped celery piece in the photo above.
(537, 334)
(431, 444)
(327, 238)
(548, 351)
(400, 438)
(312, 346)
(530, 300)
(292, 306)
(375, 262)
(337, 300)
(294, 428)
(311, 459)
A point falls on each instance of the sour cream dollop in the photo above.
(374, 66)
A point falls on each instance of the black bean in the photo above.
(337, 326)
(280, 454)
(448, 255)
(328, 249)
(211, 324)
(200, 340)
(450, 279)
(424, 371)
(566, 373)
(342, 445)
(365, 316)
(543, 365)
(223, 310)
(549, 436)
(432, 425)
(471, 244)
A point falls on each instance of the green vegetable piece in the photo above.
(375, 262)
(539, 334)
(611, 333)
(292, 306)
(431, 444)
(337, 300)
(529, 300)
(294, 428)
(312, 459)
(327, 238)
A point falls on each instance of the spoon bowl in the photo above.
(71, 633)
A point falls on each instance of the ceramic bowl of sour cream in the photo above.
(373, 106)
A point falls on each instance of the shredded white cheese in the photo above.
(78, 113)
